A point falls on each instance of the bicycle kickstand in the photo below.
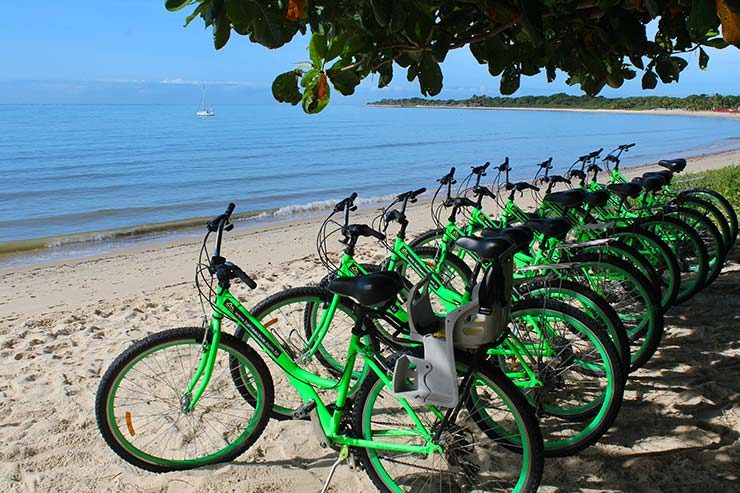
(343, 454)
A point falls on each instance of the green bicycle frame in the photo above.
(305, 382)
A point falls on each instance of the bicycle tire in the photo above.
(111, 385)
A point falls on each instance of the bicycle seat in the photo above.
(597, 198)
(650, 183)
(666, 175)
(520, 236)
(567, 198)
(674, 165)
(624, 190)
(556, 227)
(485, 248)
(369, 290)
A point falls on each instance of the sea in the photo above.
(84, 179)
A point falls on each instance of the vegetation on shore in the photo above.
(695, 102)
(724, 180)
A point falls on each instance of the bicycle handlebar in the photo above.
(546, 164)
(504, 166)
(346, 202)
(481, 170)
(449, 178)
(411, 195)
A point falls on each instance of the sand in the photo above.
(61, 325)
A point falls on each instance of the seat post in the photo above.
(360, 313)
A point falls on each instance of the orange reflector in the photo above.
(270, 322)
(129, 424)
(430, 263)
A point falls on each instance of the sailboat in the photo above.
(203, 111)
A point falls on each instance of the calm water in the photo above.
(83, 169)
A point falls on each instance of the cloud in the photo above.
(187, 82)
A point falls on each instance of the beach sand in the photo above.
(62, 324)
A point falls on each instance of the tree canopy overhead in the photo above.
(594, 42)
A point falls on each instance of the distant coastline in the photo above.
(696, 105)
(659, 112)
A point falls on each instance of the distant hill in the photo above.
(698, 102)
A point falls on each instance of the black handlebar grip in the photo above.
(419, 191)
(352, 197)
(245, 278)
(229, 209)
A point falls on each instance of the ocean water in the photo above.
(87, 173)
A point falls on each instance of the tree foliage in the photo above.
(594, 42)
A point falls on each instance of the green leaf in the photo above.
(703, 59)
(386, 74)
(198, 11)
(430, 76)
(479, 52)
(614, 80)
(383, 10)
(309, 77)
(398, 17)
(221, 31)
(718, 43)
(653, 8)
(702, 18)
(665, 70)
(531, 19)
(175, 5)
(510, 79)
(637, 61)
(344, 81)
(285, 88)
(649, 80)
(336, 45)
(317, 49)
(313, 101)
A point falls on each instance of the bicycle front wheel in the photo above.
(471, 458)
(140, 401)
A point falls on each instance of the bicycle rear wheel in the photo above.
(710, 236)
(691, 253)
(140, 400)
(292, 316)
(581, 375)
(470, 459)
(630, 294)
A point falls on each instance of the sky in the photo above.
(136, 52)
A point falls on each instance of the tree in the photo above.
(594, 42)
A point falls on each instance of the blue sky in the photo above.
(134, 51)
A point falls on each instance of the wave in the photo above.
(320, 205)
(164, 228)
(126, 233)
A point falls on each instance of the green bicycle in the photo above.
(593, 397)
(189, 397)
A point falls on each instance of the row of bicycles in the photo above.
(469, 355)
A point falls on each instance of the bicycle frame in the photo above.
(305, 382)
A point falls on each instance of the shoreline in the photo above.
(664, 112)
(153, 269)
(49, 251)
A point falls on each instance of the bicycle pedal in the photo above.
(303, 412)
